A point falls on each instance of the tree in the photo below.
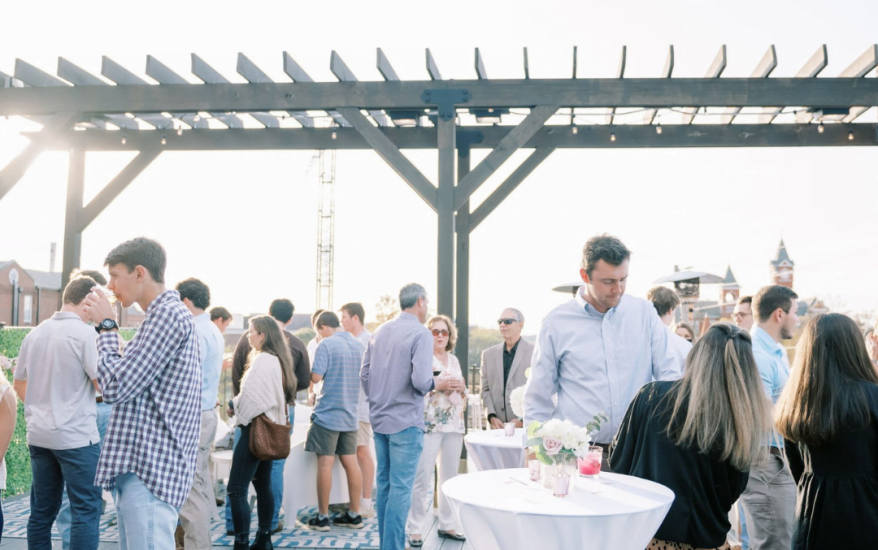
(306, 334)
(386, 309)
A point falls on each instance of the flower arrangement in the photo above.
(516, 399)
(556, 440)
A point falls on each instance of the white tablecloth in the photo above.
(497, 513)
(300, 472)
(494, 450)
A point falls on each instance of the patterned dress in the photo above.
(441, 414)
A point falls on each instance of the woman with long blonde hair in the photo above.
(828, 417)
(267, 386)
(698, 436)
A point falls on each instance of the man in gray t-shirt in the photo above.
(54, 378)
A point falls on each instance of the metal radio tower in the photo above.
(325, 228)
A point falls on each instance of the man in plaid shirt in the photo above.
(149, 455)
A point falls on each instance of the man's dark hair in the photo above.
(355, 309)
(196, 291)
(282, 310)
(220, 313)
(96, 275)
(664, 299)
(77, 289)
(328, 319)
(606, 248)
(745, 300)
(140, 251)
(769, 298)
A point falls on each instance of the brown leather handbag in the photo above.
(268, 440)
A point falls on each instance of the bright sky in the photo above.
(245, 223)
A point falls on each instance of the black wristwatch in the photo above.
(106, 324)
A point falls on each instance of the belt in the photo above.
(99, 399)
(776, 451)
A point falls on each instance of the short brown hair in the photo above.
(746, 300)
(77, 289)
(664, 299)
(606, 248)
(140, 251)
(327, 319)
(452, 330)
(770, 298)
(355, 309)
(220, 313)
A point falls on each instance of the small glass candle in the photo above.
(560, 485)
(533, 467)
(510, 428)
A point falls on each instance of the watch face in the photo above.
(107, 324)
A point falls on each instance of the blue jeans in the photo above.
(145, 521)
(63, 520)
(398, 455)
(277, 482)
(51, 469)
(745, 539)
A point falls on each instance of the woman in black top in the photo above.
(698, 437)
(828, 416)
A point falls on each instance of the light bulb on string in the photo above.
(164, 140)
(574, 130)
(658, 128)
(851, 134)
(334, 135)
(821, 128)
(179, 130)
(124, 139)
(613, 136)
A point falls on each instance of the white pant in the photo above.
(448, 445)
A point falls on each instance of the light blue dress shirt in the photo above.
(773, 369)
(212, 345)
(596, 362)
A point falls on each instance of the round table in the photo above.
(494, 450)
(503, 510)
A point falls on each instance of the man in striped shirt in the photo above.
(148, 457)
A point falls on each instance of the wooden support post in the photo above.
(462, 265)
(72, 230)
(445, 209)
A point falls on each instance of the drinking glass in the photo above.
(510, 428)
(590, 464)
(561, 485)
(533, 468)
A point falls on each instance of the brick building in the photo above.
(27, 296)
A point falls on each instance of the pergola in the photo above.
(123, 111)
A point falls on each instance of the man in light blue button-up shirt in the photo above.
(595, 351)
(195, 515)
(770, 498)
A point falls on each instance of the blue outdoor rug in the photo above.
(17, 510)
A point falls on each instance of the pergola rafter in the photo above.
(82, 112)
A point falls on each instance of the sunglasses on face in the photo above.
(506, 321)
(439, 332)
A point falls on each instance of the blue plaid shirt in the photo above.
(155, 387)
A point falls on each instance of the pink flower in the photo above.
(552, 445)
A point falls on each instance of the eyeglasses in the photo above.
(506, 321)
(439, 332)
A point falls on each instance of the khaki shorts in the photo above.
(364, 434)
(329, 442)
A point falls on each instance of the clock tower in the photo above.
(729, 294)
(782, 267)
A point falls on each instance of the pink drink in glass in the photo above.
(590, 464)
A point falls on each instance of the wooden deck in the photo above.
(431, 542)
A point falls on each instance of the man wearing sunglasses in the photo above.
(503, 369)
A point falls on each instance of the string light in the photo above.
(334, 135)
(574, 130)
(124, 139)
(658, 128)
(164, 140)
(179, 130)
(820, 128)
(613, 136)
(851, 134)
